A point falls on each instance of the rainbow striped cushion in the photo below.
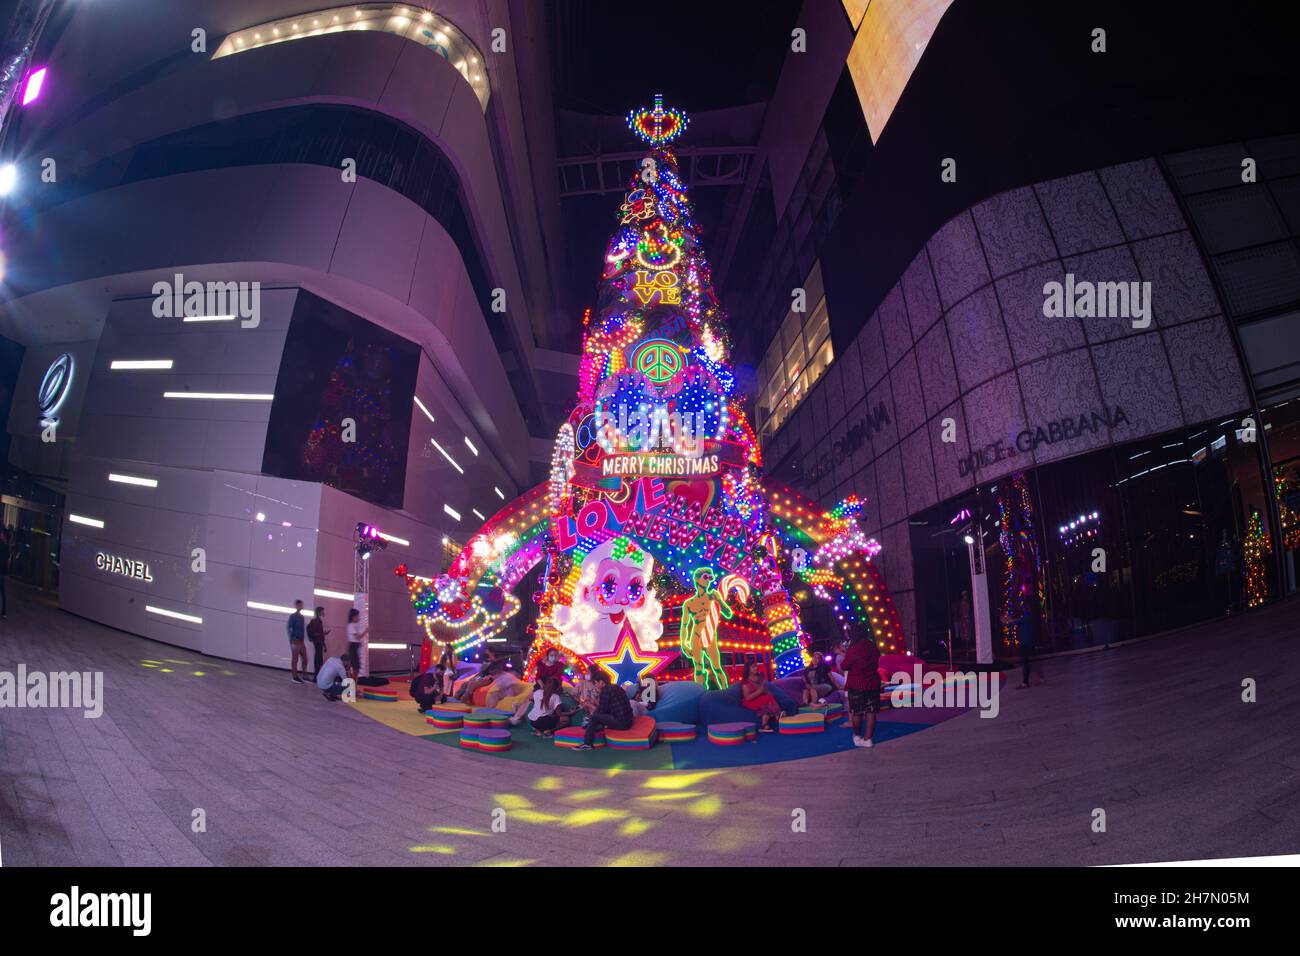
(572, 736)
(494, 741)
(379, 693)
(444, 720)
(673, 732)
(487, 717)
(640, 736)
(469, 737)
(809, 723)
(730, 734)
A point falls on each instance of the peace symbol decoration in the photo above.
(657, 359)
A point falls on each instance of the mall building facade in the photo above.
(276, 292)
(1066, 377)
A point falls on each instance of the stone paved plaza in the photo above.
(1154, 733)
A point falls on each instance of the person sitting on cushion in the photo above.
(612, 709)
(817, 681)
(487, 673)
(543, 707)
(757, 696)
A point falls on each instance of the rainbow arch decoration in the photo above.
(513, 543)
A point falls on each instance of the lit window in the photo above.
(799, 354)
(440, 36)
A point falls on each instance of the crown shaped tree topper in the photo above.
(657, 125)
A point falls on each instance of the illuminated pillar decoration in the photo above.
(655, 490)
(1256, 553)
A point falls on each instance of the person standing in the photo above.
(356, 634)
(297, 628)
(549, 666)
(862, 686)
(1027, 634)
(612, 709)
(4, 572)
(316, 632)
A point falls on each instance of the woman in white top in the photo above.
(543, 707)
(356, 634)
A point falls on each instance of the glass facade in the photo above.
(795, 360)
(1119, 543)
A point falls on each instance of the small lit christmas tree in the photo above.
(1256, 551)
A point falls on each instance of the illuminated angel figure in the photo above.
(701, 614)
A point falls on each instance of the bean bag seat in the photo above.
(640, 736)
(730, 733)
(469, 737)
(679, 701)
(445, 719)
(494, 741)
(792, 685)
(805, 723)
(789, 702)
(570, 737)
(517, 697)
(721, 707)
(673, 732)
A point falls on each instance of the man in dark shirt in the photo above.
(297, 628)
(612, 709)
(4, 572)
(862, 687)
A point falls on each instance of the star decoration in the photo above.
(627, 663)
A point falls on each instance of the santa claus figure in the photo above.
(613, 586)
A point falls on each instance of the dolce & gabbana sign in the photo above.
(1047, 433)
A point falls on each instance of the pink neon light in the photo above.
(35, 81)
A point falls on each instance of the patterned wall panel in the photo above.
(1079, 213)
(922, 298)
(1033, 336)
(1144, 203)
(1013, 231)
(958, 260)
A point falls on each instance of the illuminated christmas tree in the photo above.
(655, 512)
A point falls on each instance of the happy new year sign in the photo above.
(653, 515)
